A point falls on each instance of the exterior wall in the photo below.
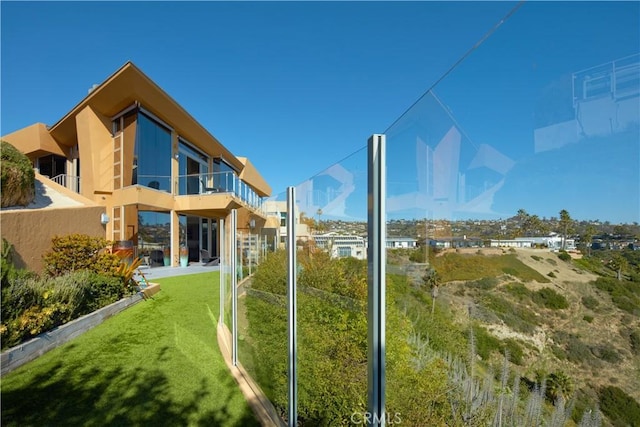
(30, 231)
(96, 153)
(106, 162)
(33, 140)
(511, 243)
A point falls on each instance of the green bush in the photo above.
(486, 283)
(549, 298)
(590, 302)
(6, 265)
(621, 409)
(486, 344)
(515, 316)
(76, 252)
(634, 341)
(536, 257)
(516, 354)
(606, 353)
(418, 255)
(564, 256)
(17, 177)
(34, 305)
(575, 350)
(518, 290)
(624, 294)
(551, 274)
(587, 318)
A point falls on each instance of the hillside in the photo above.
(547, 312)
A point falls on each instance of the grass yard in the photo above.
(155, 364)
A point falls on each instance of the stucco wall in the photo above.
(30, 231)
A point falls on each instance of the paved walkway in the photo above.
(152, 273)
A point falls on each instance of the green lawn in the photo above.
(156, 363)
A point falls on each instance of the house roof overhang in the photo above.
(129, 85)
(34, 141)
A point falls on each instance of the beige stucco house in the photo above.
(160, 178)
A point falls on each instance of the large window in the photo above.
(194, 171)
(152, 154)
(154, 236)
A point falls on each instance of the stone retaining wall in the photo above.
(36, 347)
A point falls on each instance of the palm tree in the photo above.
(319, 213)
(565, 225)
(432, 280)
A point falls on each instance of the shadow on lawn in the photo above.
(115, 397)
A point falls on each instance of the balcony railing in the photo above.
(219, 182)
(68, 181)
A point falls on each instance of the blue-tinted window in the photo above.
(152, 160)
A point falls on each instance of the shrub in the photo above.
(513, 315)
(576, 351)
(34, 305)
(590, 302)
(551, 274)
(17, 177)
(549, 298)
(516, 354)
(79, 252)
(619, 407)
(634, 341)
(564, 256)
(485, 342)
(486, 283)
(587, 318)
(624, 294)
(518, 290)
(418, 255)
(536, 257)
(606, 353)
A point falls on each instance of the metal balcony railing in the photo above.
(219, 182)
(68, 181)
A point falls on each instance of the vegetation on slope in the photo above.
(16, 177)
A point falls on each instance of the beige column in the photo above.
(175, 239)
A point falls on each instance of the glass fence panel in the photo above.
(330, 227)
(332, 293)
(226, 275)
(262, 310)
(513, 208)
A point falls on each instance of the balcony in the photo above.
(219, 183)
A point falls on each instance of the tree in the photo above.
(587, 236)
(565, 225)
(534, 226)
(319, 213)
(17, 177)
(618, 263)
(432, 281)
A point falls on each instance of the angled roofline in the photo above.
(129, 66)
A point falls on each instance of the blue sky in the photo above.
(272, 81)
(297, 86)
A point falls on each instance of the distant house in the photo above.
(340, 246)
(455, 242)
(554, 243)
(401, 243)
(511, 243)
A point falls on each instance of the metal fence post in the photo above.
(291, 306)
(376, 269)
